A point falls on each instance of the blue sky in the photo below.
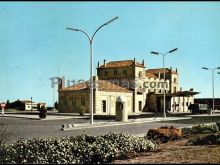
(35, 44)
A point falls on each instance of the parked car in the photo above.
(199, 108)
(50, 108)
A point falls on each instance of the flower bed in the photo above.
(164, 134)
(82, 149)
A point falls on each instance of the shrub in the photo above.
(42, 112)
(200, 129)
(82, 111)
(82, 149)
(164, 134)
(205, 128)
(218, 125)
(212, 139)
(187, 132)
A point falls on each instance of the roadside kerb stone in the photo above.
(75, 126)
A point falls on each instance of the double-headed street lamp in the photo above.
(91, 62)
(164, 77)
(213, 99)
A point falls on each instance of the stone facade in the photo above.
(73, 101)
(143, 90)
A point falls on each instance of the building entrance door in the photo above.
(159, 103)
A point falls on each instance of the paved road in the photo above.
(27, 128)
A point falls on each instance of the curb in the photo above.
(76, 126)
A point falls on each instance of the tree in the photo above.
(7, 104)
(56, 105)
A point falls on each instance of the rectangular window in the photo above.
(187, 104)
(104, 106)
(125, 72)
(82, 101)
(115, 72)
(106, 73)
(140, 105)
(74, 103)
(174, 89)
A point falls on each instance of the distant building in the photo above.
(25, 105)
(209, 102)
(143, 90)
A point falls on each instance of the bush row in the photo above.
(165, 134)
(218, 125)
(211, 139)
(200, 129)
(83, 149)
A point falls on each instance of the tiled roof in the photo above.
(150, 75)
(115, 64)
(25, 101)
(103, 85)
(156, 71)
(76, 87)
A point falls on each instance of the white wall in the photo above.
(110, 98)
(181, 107)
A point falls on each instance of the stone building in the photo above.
(143, 90)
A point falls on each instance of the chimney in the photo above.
(180, 89)
(96, 82)
(60, 83)
(159, 75)
(176, 70)
(104, 62)
(170, 69)
(134, 60)
(98, 64)
(191, 90)
(142, 62)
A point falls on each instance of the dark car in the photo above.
(194, 108)
(199, 108)
(49, 108)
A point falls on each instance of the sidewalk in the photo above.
(49, 117)
(76, 126)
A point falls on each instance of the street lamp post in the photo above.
(31, 104)
(213, 91)
(91, 62)
(164, 77)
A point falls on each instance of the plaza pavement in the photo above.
(49, 117)
(25, 126)
(86, 123)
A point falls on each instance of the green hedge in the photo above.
(200, 129)
(82, 149)
(218, 124)
(212, 139)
